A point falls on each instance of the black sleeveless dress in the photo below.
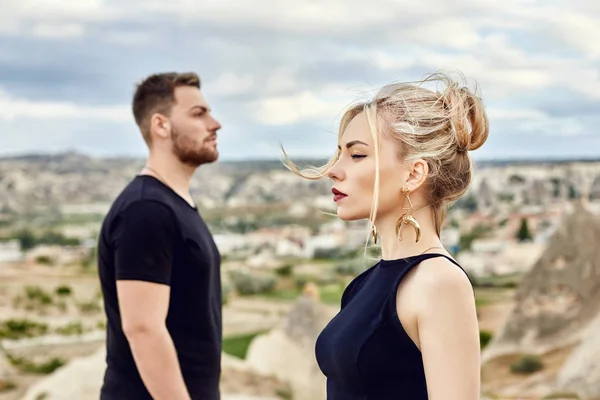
(364, 351)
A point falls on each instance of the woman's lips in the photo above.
(337, 195)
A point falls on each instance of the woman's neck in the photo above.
(392, 248)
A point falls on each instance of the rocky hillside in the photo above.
(280, 364)
(556, 307)
(81, 379)
(52, 182)
(6, 373)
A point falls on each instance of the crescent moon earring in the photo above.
(374, 233)
(407, 218)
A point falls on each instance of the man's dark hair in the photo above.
(156, 94)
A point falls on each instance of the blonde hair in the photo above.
(438, 126)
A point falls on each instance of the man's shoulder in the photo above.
(142, 202)
(144, 192)
(146, 189)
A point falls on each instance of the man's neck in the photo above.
(173, 174)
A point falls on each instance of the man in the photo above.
(158, 264)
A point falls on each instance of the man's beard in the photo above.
(187, 152)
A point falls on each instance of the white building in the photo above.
(323, 242)
(289, 248)
(10, 251)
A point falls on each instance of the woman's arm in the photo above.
(448, 331)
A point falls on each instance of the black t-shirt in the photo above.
(152, 234)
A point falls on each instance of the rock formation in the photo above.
(288, 351)
(7, 372)
(560, 296)
(281, 361)
(81, 379)
(557, 306)
(581, 371)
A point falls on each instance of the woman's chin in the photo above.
(348, 215)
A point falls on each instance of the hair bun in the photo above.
(467, 116)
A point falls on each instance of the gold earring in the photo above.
(407, 218)
(374, 233)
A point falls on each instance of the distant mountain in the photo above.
(51, 181)
(45, 157)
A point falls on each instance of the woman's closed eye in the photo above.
(357, 156)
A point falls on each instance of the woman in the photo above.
(407, 328)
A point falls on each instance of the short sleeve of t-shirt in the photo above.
(143, 242)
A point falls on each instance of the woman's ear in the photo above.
(417, 174)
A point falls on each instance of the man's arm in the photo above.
(144, 240)
(144, 308)
(448, 331)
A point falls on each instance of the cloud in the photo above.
(312, 17)
(106, 140)
(285, 110)
(58, 31)
(569, 104)
(50, 18)
(518, 114)
(274, 71)
(230, 84)
(12, 108)
(573, 24)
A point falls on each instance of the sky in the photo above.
(284, 71)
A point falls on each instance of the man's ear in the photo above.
(160, 125)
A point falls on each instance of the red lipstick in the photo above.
(337, 195)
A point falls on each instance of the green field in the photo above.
(237, 346)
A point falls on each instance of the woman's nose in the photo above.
(335, 173)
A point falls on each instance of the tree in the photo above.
(27, 239)
(468, 203)
(516, 180)
(524, 234)
(573, 192)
